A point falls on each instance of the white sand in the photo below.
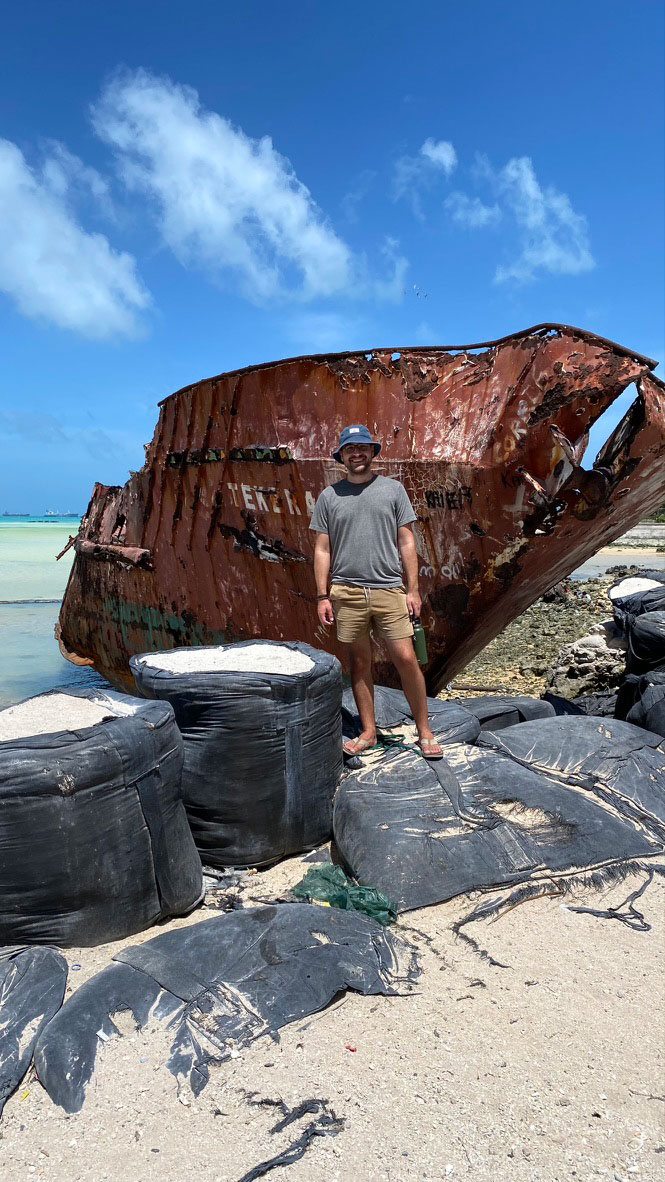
(49, 714)
(631, 586)
(550, 1070)
(253, 658)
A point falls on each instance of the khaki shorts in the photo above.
(359, 609)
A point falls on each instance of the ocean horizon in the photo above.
(32, 585)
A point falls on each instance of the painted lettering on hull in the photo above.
(253, 499)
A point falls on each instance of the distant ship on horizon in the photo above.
(48, 513)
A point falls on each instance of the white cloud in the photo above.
(57, 438)
(551, 236)
(470, 211)
(357, 193)
(224, 200)
(441, 154)
(50, 266)
(65, 174)
(412, 173)
(392, 287)
(554, 237)
(36, 428)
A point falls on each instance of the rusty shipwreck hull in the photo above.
(209, 542)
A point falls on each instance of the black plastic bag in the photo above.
(451, 721)
(220, 984)
(425, 832)
(495, 712)
(628, 608)
(599, 705)
(562, 705)
(648, 709)
(646, 642)
(627, 695)
(93, 832)
(32, 988)
(263, 754)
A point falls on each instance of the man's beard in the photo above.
(359, 467)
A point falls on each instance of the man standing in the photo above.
(364, 529)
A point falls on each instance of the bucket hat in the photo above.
(355, 434)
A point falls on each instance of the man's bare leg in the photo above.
(360, 657)
(403, 656)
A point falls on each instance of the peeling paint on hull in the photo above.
(210, 541)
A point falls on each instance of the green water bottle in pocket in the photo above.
(419, 641)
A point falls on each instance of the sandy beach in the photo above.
(547, 1069)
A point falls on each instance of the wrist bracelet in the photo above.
(319, 597)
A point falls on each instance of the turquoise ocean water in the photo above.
(32, 585)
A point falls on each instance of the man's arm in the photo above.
(409, 555)
(321, 572)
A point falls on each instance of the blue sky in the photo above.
(186, 189)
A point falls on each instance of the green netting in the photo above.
(329, 884)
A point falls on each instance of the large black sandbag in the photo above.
(94, 838)
(649, 708)
(495, 712)
(425, 832)
(627, 695)
(629, 607)
(451, 722)
(219, 985)
(646, 642)
(599, 705)
(621, 763)
(32, 988)
(263, 751)
(562, 705)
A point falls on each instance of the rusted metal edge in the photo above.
(70, 543)
(543, 328)
(70, 654)
(108, 552)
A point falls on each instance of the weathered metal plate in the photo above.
(210, 541)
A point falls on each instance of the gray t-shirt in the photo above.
(362, 522)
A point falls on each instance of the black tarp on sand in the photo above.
(32, 988)
(221, 984)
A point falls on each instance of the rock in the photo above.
(589, 666)
(534, 640)
(612, 636)
(559, 594)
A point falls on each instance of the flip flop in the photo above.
(358, 746)
(430, 749)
